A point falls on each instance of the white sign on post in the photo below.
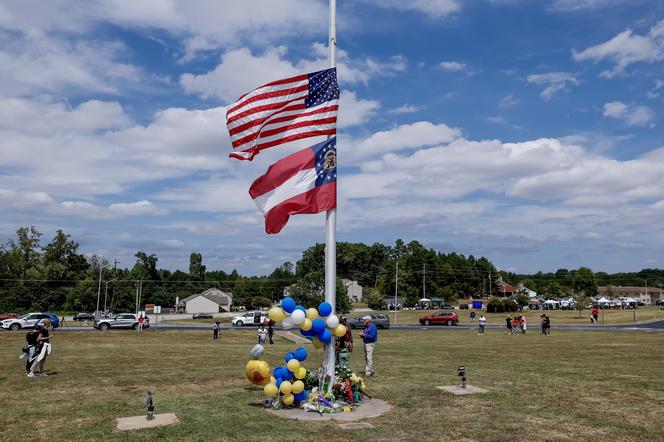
(157, 309)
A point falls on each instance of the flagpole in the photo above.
(331, 221)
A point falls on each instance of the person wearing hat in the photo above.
(369, 336)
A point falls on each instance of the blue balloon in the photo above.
(299, 307)
(325, 336)
(279, 381)
(309, 332)
(289, 356)
(301, 395)
(318, 325)
(300, 354)
(324, 309)
(288, 304)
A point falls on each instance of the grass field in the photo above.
(569, 386)
(558, 317)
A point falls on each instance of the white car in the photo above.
(29, 320)
(250, 318)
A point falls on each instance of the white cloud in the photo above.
(452, 66)
(240, 71)
(654, 92)
(433, 8)
(403, 137)
(405, 109)
(553, 82)
(508, 101)
(632, 115)
(497, 119)
(625, 49)
(354, 111)
(579, 5)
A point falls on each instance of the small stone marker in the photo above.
(355, 425)
(457, 390)
(139, 422)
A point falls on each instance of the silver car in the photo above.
(381, 321)
(123, 320)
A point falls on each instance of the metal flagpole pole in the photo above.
(331, 222)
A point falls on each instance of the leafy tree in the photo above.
(196, 267)
(584, 282)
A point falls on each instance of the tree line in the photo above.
(56, 276)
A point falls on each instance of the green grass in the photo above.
(569, 386)
(558, 317)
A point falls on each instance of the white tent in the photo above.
(424, 300)
(603, 300)
(551, 304)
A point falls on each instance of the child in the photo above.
(482, 324)
(29, 350)
(261, 334)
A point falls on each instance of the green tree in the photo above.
(584, 282)
(196, 267)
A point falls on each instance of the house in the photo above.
(505, 289)
(531, 294)
(212, 300)
(647, 296)
(354, 290)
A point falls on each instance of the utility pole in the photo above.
(424, 281)
(396, 290)
(490, 283)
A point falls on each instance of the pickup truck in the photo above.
(250, 318)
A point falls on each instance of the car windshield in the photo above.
(24, 316)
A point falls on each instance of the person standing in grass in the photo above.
(482, 324)
(472, 316)
(595, 315)
(515, 326)
(261, 334)
(369, 337)
(62, 322)
(547, 325)
(215, 330)
(508, 322)
(141, 320)
(270, 330)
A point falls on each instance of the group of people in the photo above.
(37, 349)
(263, 332)
(516, 325)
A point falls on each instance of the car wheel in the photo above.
(104, 327)
(15, 327)
(449, 322)
(239, 323)
(427, 322)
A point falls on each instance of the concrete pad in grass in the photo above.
(458, 391)
(140, 422)
(369, 408)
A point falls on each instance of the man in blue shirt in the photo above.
(369, 336)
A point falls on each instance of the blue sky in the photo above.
(528, 132)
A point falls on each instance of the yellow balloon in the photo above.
(258, 372)
(270, 390)
(273, 380)
(250, 367)
(293, 365)
(317, 343)
(301, 373)
(286, 387)
(298, 386)
(339, 330)
(288, 399)
(276, 314)
(312, 313)
(306, 325)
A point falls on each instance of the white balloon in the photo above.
(287, 323)
(297, 317)
(332, 321)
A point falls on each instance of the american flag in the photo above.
(282, 111)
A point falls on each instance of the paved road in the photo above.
(648, 327)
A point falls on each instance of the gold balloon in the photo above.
(312, 313)
(288, 399)
(298, 386)
(258, 372)
(286, 387)
(317, 343)
(301, 373)
(270, 390)
(293, 365)
(306, 325)
(339, 330)
(276, 314)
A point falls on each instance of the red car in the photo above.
(448, 318)
(4, 316)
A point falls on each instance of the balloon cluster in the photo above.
(287, 381)
(318, 324)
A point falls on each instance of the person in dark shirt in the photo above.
(344, 345)
(30, 349)
(508, 321)
(270, 330)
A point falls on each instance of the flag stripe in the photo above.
(240, 126)
(281, 171)
(275, 85)
(263, 110)
(266, 96)
(266, 133)
(259, 105)
(281, 117)
(316, 200)
(301, 182)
